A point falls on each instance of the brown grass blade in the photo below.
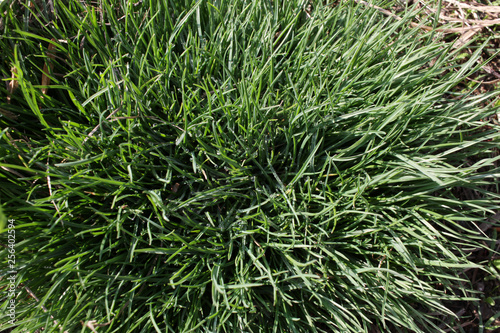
(485, 9)
(12, 86)
(45, 75)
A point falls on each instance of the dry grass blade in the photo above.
(447, 30)
(485, 9)
(462, 19)
(12, 86)
(7, 113)
(485, 22)
(97, 126)
(491, 71)
(12, 171)
(465, 37)
(92, 324)
(32, 294)
(480, 22)
(46, 72)
(421, 26)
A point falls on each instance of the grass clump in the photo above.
(237, 166)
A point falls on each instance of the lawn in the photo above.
(246, 166)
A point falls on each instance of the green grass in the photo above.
(238, 167)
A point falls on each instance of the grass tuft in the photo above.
(238, 166)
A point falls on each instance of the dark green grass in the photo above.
(238, 167)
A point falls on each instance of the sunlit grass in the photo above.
(238, 167)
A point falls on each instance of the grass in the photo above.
(238, 166)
